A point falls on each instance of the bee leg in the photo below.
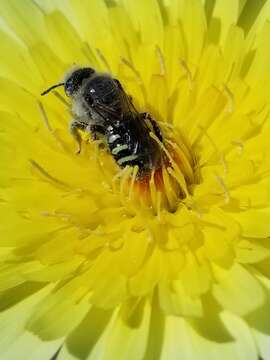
(95, 130)
(156, 128)
(75, 126)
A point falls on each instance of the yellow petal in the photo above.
(224, 15)
(68, 46)
(28, 31)
(258, 321)
(196, 278)
(34, 347)
(28, 76)
(59, 312)
(192, 18)
(249, 251)
(132, 324)
(180, 338)
(88, 339)
(237, 290)
(14, 319)
(254, 223)
(260, 64)
(146, 18)
(145, 280)
(174, 300)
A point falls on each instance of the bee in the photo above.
(101, 107)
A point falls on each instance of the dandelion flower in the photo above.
(98, 263)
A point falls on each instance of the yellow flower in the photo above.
(97, 262)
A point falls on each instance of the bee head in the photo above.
(73, 81)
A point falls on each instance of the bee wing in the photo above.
(126, 99)
(115, 111)
(99, 107)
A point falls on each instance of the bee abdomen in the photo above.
(130, 144)
(122, 152)
(121, 144)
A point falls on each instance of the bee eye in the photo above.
(69, 87)
(75, 81)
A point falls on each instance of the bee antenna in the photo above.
(51, 88)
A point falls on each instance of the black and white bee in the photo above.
(102, 108)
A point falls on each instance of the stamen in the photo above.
(224, 164)
(153, 192)
(230, 95)
(159, 205)
(180, 180)
(224, 187)
(57, 214)
(170, 194)
(123, 181)
(137, 75)
(161, 60)
(103, 59)
(44, 116)
(88, 52)
(204, 132)
(182, 146)
(107, 177)
(134, 175)
(116, 178)
(185, 162)
(51, 130)
(174, 170)
(113, 247)
(216, 150)
(62, 99)
(239, 144)
(132, 68)
(43, 172)
(39, 7)
(188, 73)
(166, 124)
